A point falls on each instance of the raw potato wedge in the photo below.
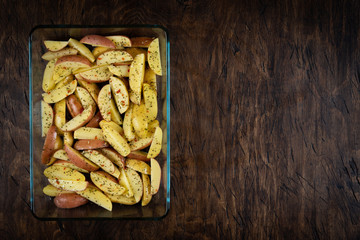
(52, 191)
(55, 45)
(85, 97)
(140, 143)
(60, 115)
(79, 160)
(80, 120)
(135, 183)
(83, 50)
(120, 94)
(155, 176)
(122, 199)
(73, 62)
(116, 140)
(59, 94)
(47, 118)
(88, 133)
(150, 78)
(155, 147)
(102, 161)
(69, 200)
(63, 163)
(64, 173)
(135, 97)
(127, 125)
(99, 50)
(135, 51)
(154, 57)
(97, 75)
(74, 106)
(49, 147)
(94, 195)
(89, 144)
(113, 125)
(147, 190)
(97, 40)
(124, 181)
(114, 156)
(120, 71)
(68, 138)
(58, 54)
(151, 104)
(142, 42)
(64, 81)
(136, 74)
(48, 83)
(114, 112)
(120, 41)
(140, 120)
(104, 102)
(139, 155)
(69, 185)
(94, 122)
(92, 88)
(61, 154)
(139, 166)
(106, 183)
(113, 56)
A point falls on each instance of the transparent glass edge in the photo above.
(168, 119)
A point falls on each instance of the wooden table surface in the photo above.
(265, 109)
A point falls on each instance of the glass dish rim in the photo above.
(43, 26)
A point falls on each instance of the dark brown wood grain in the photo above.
(265, 106)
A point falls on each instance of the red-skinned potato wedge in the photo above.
(114, 156)
(69, 200)
(106, 183)
(92, 88)
(47, 117)
(155, 147)
(83, 50)
(120, 93)
(139, 166)
(48, 83)
(120, 41)
(106, 164)
(60, 115)
(136, 76)
(61, 154)
(140, 143)
(97, 75)
(69, 185)
(64, 173)
(142, 42)
(85, 97)
(135, 183)
(59, 94)
(80, 120)
(155, 176)
(73, 61)
(147, 190)
(97, 41)
(68, 138)
(135, 51)
(120, 71)
(113, 56)
(85, 144)
(94, 122)
(49, 145)
(88, 133)
(52, 191)
(104, 102)
(55, 45)
(115, 139)
(154, 58)
(93, 194)
(69, 164)
(58, 54)
(74, 105)
(139, 155)
(99, 50)
(79, 160)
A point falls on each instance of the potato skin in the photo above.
(85, 144)
(49, 145)
(74, 106)
(69, 200)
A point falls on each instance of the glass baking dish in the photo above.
(42, 206)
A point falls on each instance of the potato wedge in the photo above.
(55, 45)
(142, 42)
(69, 185)
(136, 74)
(83, 50)
(61, 154)
(69, 200)
(47, 118)
(124, 181)
(150, 78)
(94, 122)
(52, 191)
(51, 55)
(114, 112)
(88, 133)
(113, 125)
(97, 75)
(147, 190)
(63, 163)
(92, 88)
(49, 145)
(114, 156)
(113, 56)
(135, 51)
(122, 199)
(140, 120)
(48, 83)
(127, 125)
(140, 143)
(154, 57)
(74, 106)
(106, 183)
(115, 139)
(120, 41)
(135, 183)
(104, 102)
(99, 50)
(139, 166)
(80, 120)
(93, 194)
(102, 161)
(155, 176)
(138, 155)
(155, 147)
(97, 40)
(59, 94)
(64, 173)
(88, 144)
(79, 160)
(68, 138)
(120, 71)
(151, 104)
(85, 97)
(120, 94)
(60, 115)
